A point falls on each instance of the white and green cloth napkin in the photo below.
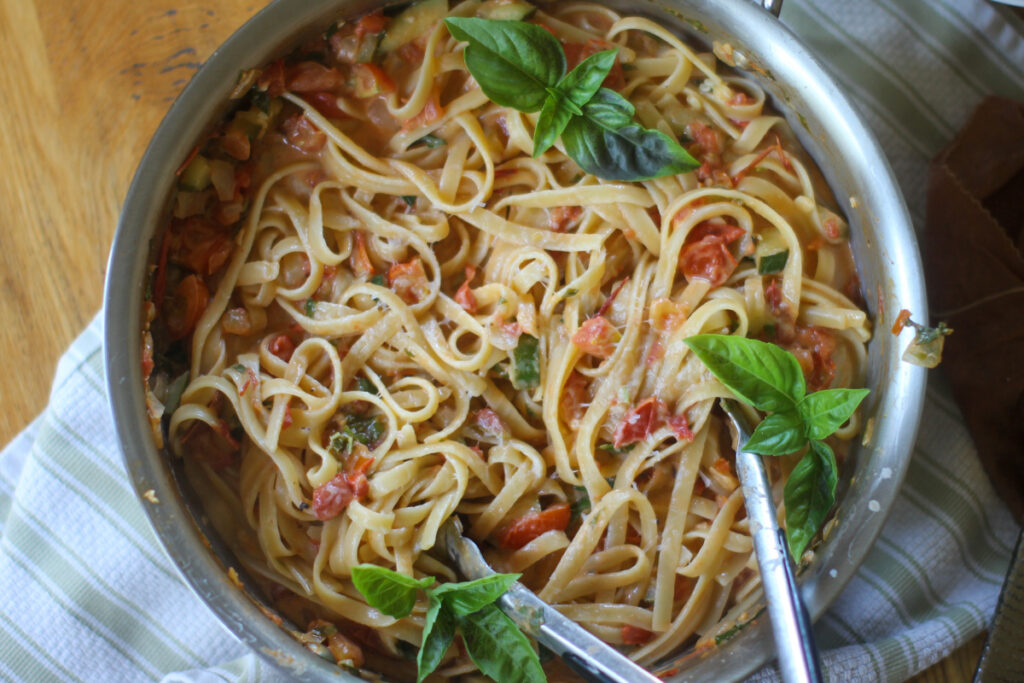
(86, 593)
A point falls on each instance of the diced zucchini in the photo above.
(368, 48)
(415, 20)
(508, 10)
(196, 175)
(251, 122)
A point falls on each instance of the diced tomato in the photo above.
(490, 422)
(901, 321)
(639, 422)
(528, 527)
(251, 380)
(331, 498)
(307, 77)
(236, 143)
(432, 111)
(574, 398)
(833, 229)
(370, 80)
(773, 296)
(301, 133)
(327, 104)
(680, 426)
(813, 347)
(597, 337)
(409, 281)
(706, 137)
(561, 217)
(411, 54)
(706, 256)
(147, 355)
(465, 297)
(272, 80)
(372, 23)
(646, 417)
(286, 421)
(632, 635)
(740, 98)
(722, 465)
(282, 346)
(361, 263)
(186, 306)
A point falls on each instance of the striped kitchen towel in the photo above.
(86, 593)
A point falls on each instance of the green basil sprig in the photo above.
(769, 378)
(493, 641)
(522, 66)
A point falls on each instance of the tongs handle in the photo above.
(791, 625)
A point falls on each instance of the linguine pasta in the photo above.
(391, 313)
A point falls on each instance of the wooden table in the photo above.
(85, 84)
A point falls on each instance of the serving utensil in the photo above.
(588, 656)
(791, 625)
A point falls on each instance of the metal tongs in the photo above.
(591, 658)
(791, 625)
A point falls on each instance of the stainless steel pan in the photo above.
(825, 121)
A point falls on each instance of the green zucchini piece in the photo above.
(196, 175)
(415, 20)
(508, 10)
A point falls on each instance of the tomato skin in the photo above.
(409, 281)
(302, 134)
(331, 498)
(647, 416)
(813, 347)
(374, 22)
(465, 297)
(186, 306)
(432, 111)
(308, 77)
(491, 423)
(633, 635)
(361, 263)
(282, 346)
(528, 527)
(561, 217)
(706, 256)
(574, 399)
(597, 337)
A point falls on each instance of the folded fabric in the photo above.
(89, 595)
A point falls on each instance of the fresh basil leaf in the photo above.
(364, 384)
(513, 61)
(409, 199)
(379, 280)
(341, 443)
(438, 632)
(809, 495)
(778, 434)
(825, 411)
(430, 140)
(310, 308)
(175, 389)
(764, 375)
(392, 593)
(582, 83)
(772, 263)
(526, 363)
(499, 648)
(469, 596)
(606, 143)
(366, 429)
(554, 117)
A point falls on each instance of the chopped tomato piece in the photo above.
(286, 421)
(327, 104)
(740, 98)
(813, 347)
(370, 80)
(632, 635)
(773, 296)
(301, 133)
(282, 346)
(186, 306)
(706, 137)
(706, 255)
(432, 111)
(307, 77)
(147, 355)
(833, 229)
(901, 321)
(375, 22)
(680, 426)
(272, 80)
(597, 337)
(574, 398)
(331, 498)
(491, 423)
(465, 297)
(528, 527)
(409, 281)
(560, 218)
(639, 422)
(361, 263)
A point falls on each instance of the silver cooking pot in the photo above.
(854, 166)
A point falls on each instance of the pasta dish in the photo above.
(374, 308)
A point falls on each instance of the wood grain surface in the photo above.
(84, 86)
